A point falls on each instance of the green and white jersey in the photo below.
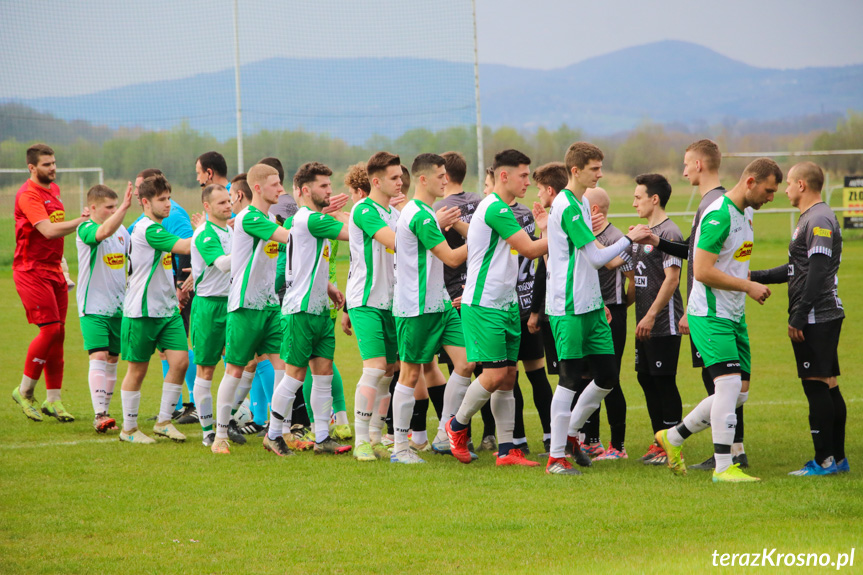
(419, 285)
(101, 271)
(253, 261)
(492, 267)
(151, 285)
(209, 243)
(372, 272)
(572, 284)
(725, 230)
(311, 233)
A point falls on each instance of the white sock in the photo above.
(52, 394)
(242, 391)
(403, 410)
(561, 413)
(503, 409)
(474, 398)
(420, 437)
(27, 386)
(741, 398)
(224, 403)
(364, 402)
(588, 402)
(722, 417)
(131, 400)
(322, 404)
(96, 379)
(170, 394)
(282, 405)
(376, 424)
(204, 402)
(342, 418)
(110, 383)
(695, 421)
(453, 395)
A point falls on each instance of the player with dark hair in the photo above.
(211, 168)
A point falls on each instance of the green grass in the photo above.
(75, 502)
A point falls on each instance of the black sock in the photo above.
(518, 430)
(683, 430)
(672, 408)
(590, 429)
(421, 410)
(542, 395)
(436, 397)
(652, 399)
(488, 426)
(708, 381)
(299, 413)
(738, 431)
(821, 417)
(840, 414)
(615, 409)
(389, 420)
(580, 385)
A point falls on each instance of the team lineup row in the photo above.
(446, 272)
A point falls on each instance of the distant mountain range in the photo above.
(666, 82)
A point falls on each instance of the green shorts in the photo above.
(101, 333)
(250, 332)
(141, 336)
(209, 321)
(376, 333)
(422, 337)
(721, 340)
(491, 335)
(307, 336)
(577, 336)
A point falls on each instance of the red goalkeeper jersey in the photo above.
(33, 251)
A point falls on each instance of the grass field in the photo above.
(75, 502)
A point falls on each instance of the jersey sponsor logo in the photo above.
(57, 216)
(389, 251)
(327, 252)
(166, 261)
(513, 251)
(114, 261)
(744, 252)
(271, 249)
(641, 281)
(822, 232)
(640, 267)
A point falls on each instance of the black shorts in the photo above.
(531, 345)
(696, 356)
(817, 355)
(618, 331)
(550, 350)
(657, 355)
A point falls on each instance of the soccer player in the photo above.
(39, 230)
(492, 327)
(423, 312)
(370, 291)
(151, 315)
(103, 249)
(211, 270)
(717, 320)
(815, 315)
(658, 308)
(253, 326)
(575, 306)
(309, 338)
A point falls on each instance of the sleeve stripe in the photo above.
(672, 262)
(820, 250)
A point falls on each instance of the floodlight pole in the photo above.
(480, 168)
(240, 162)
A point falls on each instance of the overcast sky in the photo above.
(66, 47)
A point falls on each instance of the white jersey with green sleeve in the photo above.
(253, 261)
(726, 231)
(101, 271)
(372, 272)
(151, 285)
(209, 243)
(311, 233)
(420, 284)
(492, 267)
(572, 284)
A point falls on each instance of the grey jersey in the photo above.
(708, 199)
(649, 265)
(611, 282)
(818, 232)
(526, 269)
(467, 202)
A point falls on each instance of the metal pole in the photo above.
(81, 185)
(240, 161)
(480, 168)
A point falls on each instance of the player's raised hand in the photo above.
(596, 221)
(639, 234)
(197, 219)
(397, 201)
(127, 199)
(336, 203)
(540, 216)
(758, 292)
(446, 217)
(85, 213)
